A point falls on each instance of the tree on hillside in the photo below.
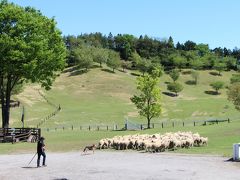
(143, 66)
(100, 55)
(234, 95)
(125, 65)
(113, 60)
(148, 101)
(31, 48)
(83, 57)
(174, 74)
(175, 87)
(220, 67)
(235, 78)
(195, 76)
(196, 64)
(217, 86)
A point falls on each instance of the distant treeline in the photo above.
(142, 53)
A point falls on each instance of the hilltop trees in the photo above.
(148, 101)
(31, 48)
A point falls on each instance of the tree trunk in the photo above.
(5, 101)
(148, 125)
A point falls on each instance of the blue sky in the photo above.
(215, 22)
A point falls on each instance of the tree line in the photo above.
(142, 53)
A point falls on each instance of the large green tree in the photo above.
(148, 101)
(31, 48)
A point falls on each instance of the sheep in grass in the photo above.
(204, 140)
(103, 144)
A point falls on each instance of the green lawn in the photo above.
(221, 138)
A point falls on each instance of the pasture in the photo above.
(100, 97)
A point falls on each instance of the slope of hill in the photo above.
(101, 97)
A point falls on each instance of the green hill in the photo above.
(100, 97)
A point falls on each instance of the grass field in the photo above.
(100, 97)
(221, 138)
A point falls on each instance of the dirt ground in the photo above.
(119, 165)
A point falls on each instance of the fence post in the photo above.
(80, 127)
(228, 120)
(173, 124)
(183, 123)
(205, 123)
(216, 121)
(63, 127)
(153, 125)
(72, 127)
(98, 128)
(141, 126)
(162, 124)
(116, 127)
(89, 128)
(107, 128)
(194, 123)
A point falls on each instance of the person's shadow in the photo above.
(29, 167)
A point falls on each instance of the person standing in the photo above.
(41, 151)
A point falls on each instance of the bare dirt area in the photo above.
(119, 165)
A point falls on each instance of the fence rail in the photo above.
(19, 134)
(117, 127)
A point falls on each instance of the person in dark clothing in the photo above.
(41, 151)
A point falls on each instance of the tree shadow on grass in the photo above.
(107, 70)
(190, 82)
(170, 94)
(135, 74)
(70, 69)
(211, 92)
(78, 72)
(215, 73)
(186, 72)
(167, 82)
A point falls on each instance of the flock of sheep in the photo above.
(154, 142)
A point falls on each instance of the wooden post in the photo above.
(228, 120)
(72, 127)
(205, 123)
(107, 128)
(141, 127)
(63, 127)
(89, 128)
(116, 127)
(194, 123)
(162, 124)
(172, 124)
(153, 125)
(183, 123)
(98, 128)
(217, 121)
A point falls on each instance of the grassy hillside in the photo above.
(101, 97)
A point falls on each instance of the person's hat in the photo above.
(42, 138)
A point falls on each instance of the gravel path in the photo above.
(119, 165)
